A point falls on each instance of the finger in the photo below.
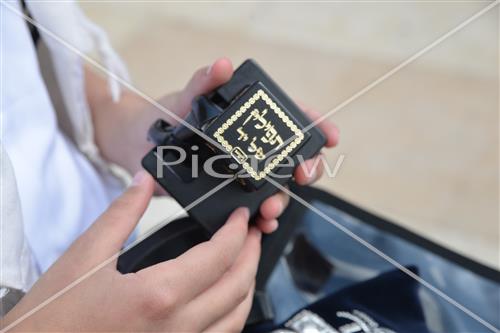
(235, 321)
(309, 171)
(107, 235)
(200, 267)
(160, 191)
(267, 226)
(204, 80)
(274, 206)
(231, 290)
(329, 129)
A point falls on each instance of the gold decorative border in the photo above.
(282, 115)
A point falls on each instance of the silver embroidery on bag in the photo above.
(309, 322)
(361, 322)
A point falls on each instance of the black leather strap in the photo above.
(35, 34)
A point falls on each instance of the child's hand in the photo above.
(208, 288)
(121, 128)
(209, 78)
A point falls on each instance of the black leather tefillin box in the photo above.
(250, 130)
(238, 136)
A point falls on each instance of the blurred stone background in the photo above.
(422, 148)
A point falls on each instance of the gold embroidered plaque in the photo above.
(259, 129)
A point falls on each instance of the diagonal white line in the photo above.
(119, 79)
(173, 115)
(396, 69)
(405, 63)
(176, 214)
(306, 128)
(385, 256)
(111, 74)
(180, 212)
(108, 261)
(393, 71)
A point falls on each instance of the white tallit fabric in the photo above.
(67, 22)
(17, 269)
(63, 183)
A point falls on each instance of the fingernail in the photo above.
(257, 232)
(274, 225)
(244, 212)
(209, 69)
(310, 175)
(139, 178)
(314, 175)
(335, 137)
(281, 207)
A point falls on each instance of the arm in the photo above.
(120, 128)
(212, 282)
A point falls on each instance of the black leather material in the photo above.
(248, 103)
(240, 190)
(167, 243)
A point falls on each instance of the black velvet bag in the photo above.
(312, 273)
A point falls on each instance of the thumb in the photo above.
(204, 80)
(106, 236)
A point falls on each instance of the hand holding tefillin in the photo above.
(255, 131)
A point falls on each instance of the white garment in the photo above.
(61, 192)
(17, 270)
(65, 21)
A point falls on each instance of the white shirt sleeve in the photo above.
(68, 34)
(62, 184)
(17, 269)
